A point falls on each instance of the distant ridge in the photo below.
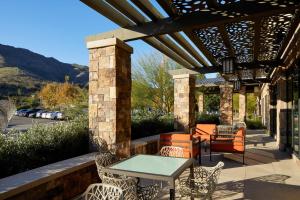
(18, 65)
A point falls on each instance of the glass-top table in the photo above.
(153, 167)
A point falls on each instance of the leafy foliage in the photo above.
(203, 118)
(145, 123)
(152, 85)
(61, 95)
(254, 124)
(41, 145)
(211, 102)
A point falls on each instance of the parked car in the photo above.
(39, 113)
(24, 112)
(44, 114)
(29, 111)
(18, 112)
(33, 112)
(54, 115)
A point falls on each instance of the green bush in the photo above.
(254, 124)
(150, 124)
(41, 145)
(203, 118)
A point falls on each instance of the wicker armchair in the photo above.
(100, 191)
(130, 187)
(172, 151)
(203, 184)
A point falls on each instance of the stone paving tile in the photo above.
(268, 174)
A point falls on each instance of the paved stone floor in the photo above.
(267, 174)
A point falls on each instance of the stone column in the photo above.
(110, 93)
(281, 110)
(242, 104)
(184, 102)
(226, 113)
(201, 103)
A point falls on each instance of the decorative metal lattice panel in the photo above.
(246, 74)
(213, 42)
(261, 73)
(273, 31)
(189, 6)
(241, 36)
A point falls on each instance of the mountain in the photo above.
(26, 70)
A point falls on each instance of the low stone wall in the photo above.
(65, 179)
(61, 180)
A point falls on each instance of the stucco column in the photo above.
(242, 104)
(201, 103)
(184, 102)
(110, 93)
(226, 114)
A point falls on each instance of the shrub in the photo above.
(148, 125)
(254, 124)
(41, 145)
(203, 118)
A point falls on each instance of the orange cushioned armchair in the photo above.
(189, 143)
(231, 143)
(205, 130)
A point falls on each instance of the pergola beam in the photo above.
(226, 40)
(114, 15)
(256, 38)
(137, 17)
(155, 15)
(248, 10)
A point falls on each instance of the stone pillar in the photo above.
(242, 104)
(226, 114)
(281, 110)
(201, 103)
(110, 93)
(184, 102)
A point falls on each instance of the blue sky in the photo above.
(56, 28)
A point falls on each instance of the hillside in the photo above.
(27, 71)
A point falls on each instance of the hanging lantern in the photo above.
(236, 85)
(228, 65)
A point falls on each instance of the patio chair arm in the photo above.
(147, 192)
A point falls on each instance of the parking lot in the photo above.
(23, 123)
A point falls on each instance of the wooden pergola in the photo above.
(255, 33)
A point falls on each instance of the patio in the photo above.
(268, 173)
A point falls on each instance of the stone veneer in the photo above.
(226, 114)
(110, 93)
(184, 102)
(242, 103)
(201, 103)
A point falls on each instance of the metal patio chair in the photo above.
(100, 191)
(203, 184)
(172, 151)
(130, 187)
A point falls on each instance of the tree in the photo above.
(152, 85)
(61, 95)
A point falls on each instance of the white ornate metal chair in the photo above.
(172, 151)
(100, 191)
(203, 184)
(101, 144)
(104, 159)
(130, 187)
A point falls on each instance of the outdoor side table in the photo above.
(153, 167)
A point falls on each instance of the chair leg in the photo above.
(210, 155)
(243, 158)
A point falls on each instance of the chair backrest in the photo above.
(127, 184)
(100, 191)
(205, 130)
(185, 141)
(172, 151)
(104, 159)
(225, 129)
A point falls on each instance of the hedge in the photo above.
(42, 145)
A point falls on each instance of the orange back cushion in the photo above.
(205, 130)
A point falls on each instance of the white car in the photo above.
(44, 115)
(39, 113)
(54, 115)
